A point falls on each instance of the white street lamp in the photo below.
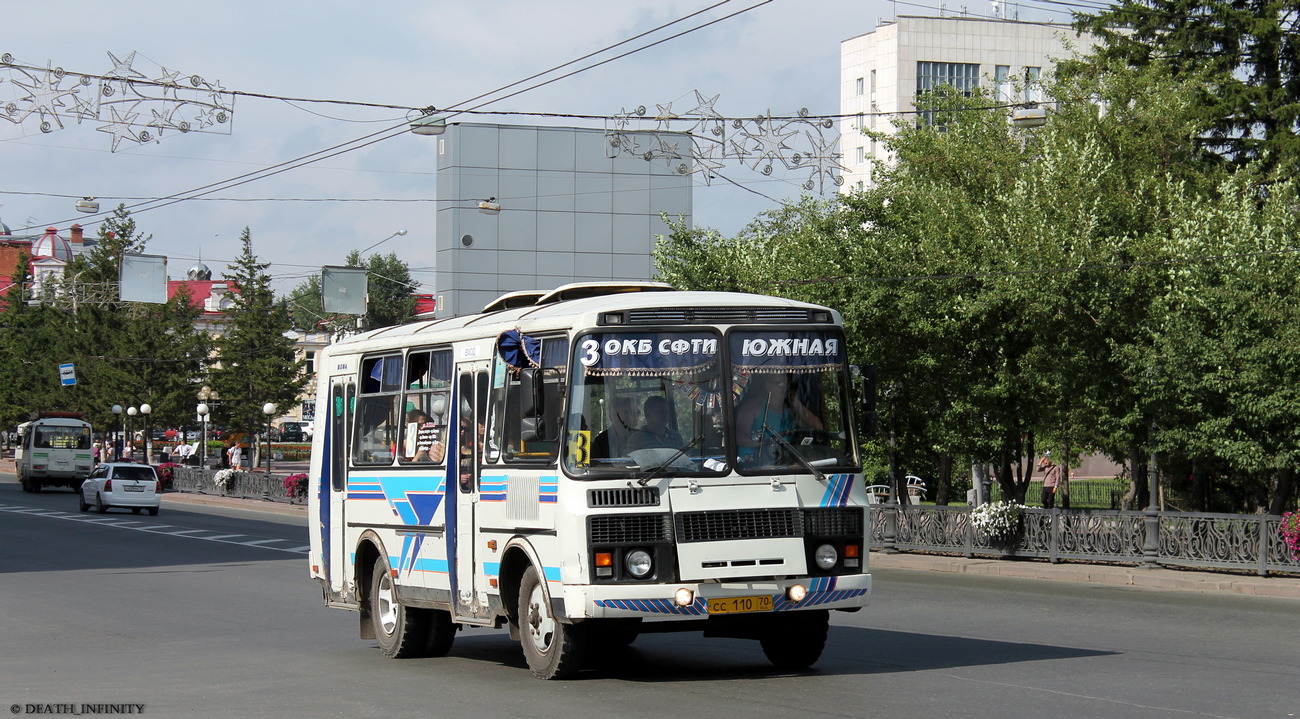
(269, 409)
(117, 410)
(145, 409)
(203, 410)
(130, 433)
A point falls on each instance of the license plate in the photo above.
(134, 488)
(736, 605)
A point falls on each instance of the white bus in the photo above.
(588, 464)
(54, 450)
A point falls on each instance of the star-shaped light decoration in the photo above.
(665, 116)
(122, 68)
(120, 127)
(769, 141)
(44, 97)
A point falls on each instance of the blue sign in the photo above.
(67, 375)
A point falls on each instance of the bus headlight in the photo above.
(638, 563)
(825, 556)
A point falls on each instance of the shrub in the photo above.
(1290, 531)
(295, 485)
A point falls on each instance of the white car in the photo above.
(121, 484)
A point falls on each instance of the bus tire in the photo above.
(795, 640)
(553, 649)
(402, 632)
(441, 633)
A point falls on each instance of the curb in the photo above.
(251, 505)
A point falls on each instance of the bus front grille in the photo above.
(738, 524)
(833, 522)
(629, 528)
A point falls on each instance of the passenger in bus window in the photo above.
(770, 403)
(655, 432)
(614, 441)
(429, 446)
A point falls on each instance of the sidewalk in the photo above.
(1183, 580)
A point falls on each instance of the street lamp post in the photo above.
(117, 410)
(204, 395)
(269, 410)
(130, 433)
(202, 409)
(145, 409)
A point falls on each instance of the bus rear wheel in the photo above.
(402, 631)
(553, 649)
(795, 640)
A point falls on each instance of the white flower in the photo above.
(996, 519)
(223, 477)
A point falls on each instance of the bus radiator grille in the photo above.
(623, 497)
(739, 524)
(629, 528)
(835, 522)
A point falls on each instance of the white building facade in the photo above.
(882, 71)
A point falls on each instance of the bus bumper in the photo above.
(662, 601)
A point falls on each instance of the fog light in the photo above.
(684, 597)
(825, 556)
(638, 563)
(796, 593)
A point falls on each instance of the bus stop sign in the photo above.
(67, 375)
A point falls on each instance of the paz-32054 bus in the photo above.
(588, 464)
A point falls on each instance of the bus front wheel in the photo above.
(553, 649)
(795, 640)
(402, 631)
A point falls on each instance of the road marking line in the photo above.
(154, 528)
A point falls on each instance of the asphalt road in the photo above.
(208, 612)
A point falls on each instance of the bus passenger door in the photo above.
(472, 391)
(335, 462)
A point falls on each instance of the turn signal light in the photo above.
(604, 559)
(851, 550)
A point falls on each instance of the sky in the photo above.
(779, 57)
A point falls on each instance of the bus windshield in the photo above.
(789, 393)
(647, 402)
(55, 437)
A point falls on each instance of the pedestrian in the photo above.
(95, 453)
(236, 454)
(1054, 482)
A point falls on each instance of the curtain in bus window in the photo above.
(382, 374)
(519, 350)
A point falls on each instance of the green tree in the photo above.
(124, 353)
(256, 357)
(1244, 55)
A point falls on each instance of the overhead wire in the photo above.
(397, 130)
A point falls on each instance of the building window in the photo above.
(873, 86)
(1033, 91)
(310, 357)
(860, 86)
(862, 155)
(963, 76)
(862, 121)
(1002, 83)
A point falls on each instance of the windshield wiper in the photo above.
(658, 471)
(785, 444)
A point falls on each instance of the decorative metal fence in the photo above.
(243, 485)
(1217, 541)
